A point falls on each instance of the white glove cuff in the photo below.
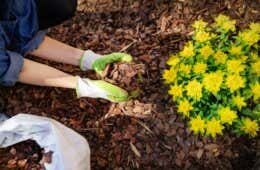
(87, 60)
(86, 88)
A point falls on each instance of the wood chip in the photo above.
(135, 150)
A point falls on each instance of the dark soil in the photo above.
(149, 31)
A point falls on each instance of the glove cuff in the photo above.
(87, 88)
(87, 60)
(77, 87)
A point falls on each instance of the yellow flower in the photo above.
(235, 66)
(206, 51)
(249, 37)
(227, 115)
(235, 82)
(200, 68)
(214, 127)
(256, 67)
(235, 50)
(239, 101)
(249, 127)
(212, 81)
(194, 89)
(225, 23)
(220, 57)
(175, 91)
(197, 125)
(220, 19)
(244, 58)
(169, 75)
(173, 60)
(202, 36)
(231, 25)
(254, 56)
(185, 107)
(255, 27)
(188, 50)
(256, 91)
(199, 25)
(185, 68)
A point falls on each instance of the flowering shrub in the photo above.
(215, 79)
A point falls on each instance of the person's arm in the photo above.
(42, 75)
(54, 50)
(14, 68)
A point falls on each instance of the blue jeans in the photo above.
(21, 30)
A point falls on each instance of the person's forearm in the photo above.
(54, 50)
(42, 75)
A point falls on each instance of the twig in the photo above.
(86, 129)
(128, 46)
(135, 150)
(144, 126)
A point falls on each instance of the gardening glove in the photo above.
(100, 89)
(97, 62)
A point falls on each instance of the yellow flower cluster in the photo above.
(194, 89)
(225, 23)
(200, 68)
(202, 36)
(173, 60)
(185, 107)
(255, 27)
(214, 127)
(220, 57)
(197, 125)
(256, 67)
(250, 36)
(227, 115)
(235, 66)
(235, 50)
(215, 79)
(170, 75)
(206, 51)
(256, 91)
(250, 127)
(186, 69)
(200, 25)
(176, 91)
(211, 127)
(239, 101)
(235, 82)
(188, 50)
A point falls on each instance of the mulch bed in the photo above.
(145, 133)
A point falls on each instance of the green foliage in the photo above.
(215, 79)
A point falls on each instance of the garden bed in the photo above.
(159, 139)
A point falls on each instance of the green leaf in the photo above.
(250, 113)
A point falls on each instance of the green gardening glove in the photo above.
(100, 89)
(93, 61)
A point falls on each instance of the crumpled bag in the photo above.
(70, 150)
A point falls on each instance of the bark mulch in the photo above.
(146, 132)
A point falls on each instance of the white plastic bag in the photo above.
(70, 150)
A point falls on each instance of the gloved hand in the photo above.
(97, 62)
(100, 89)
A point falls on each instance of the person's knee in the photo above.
(69, 8)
